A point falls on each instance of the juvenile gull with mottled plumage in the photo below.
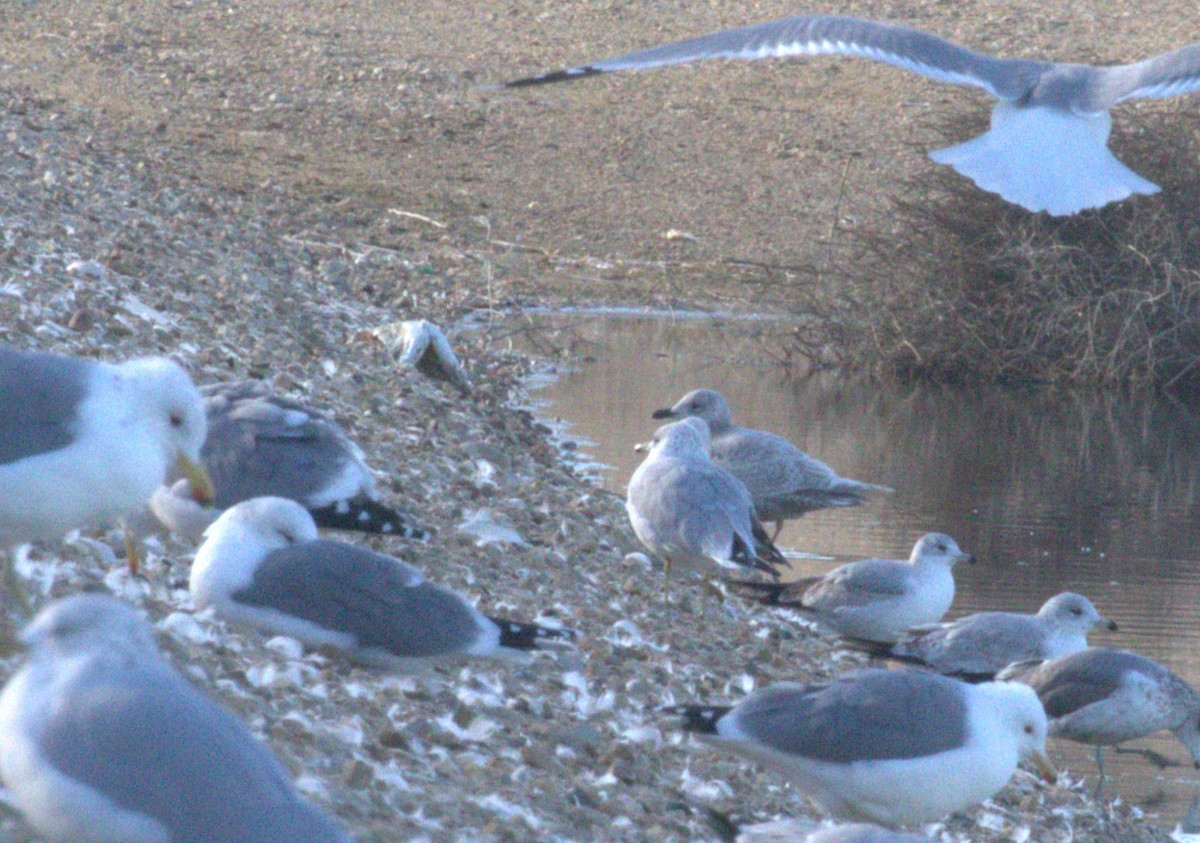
(784, 481)
(898, 747)
(688, 511)
(874, 599)
(263, 565)
(1046, 149)
(979, 646)
(83, 443)
(262, 444)
(102, 741)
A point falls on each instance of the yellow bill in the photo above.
(202, 486)
(1044, 766)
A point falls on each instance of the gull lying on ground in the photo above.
(979, 646)
(689, 512)
(784, 482)
(261, 444)
(102, 741)
(873, 599)
(84, 443)
(1103, 696)
(899, 747)
(263, 565)
(1047, 146)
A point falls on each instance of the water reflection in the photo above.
(1052, 491)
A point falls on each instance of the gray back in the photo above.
(40, 395)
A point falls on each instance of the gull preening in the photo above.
(979, 646)
(873, 599)
(101, 740)
(784, 481)
(1046, 149)
(84, 443)
(263, 565)
(895, 747)
(261, 444)
(689, 512)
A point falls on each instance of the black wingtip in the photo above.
(529, 636)
(700, 719)
(363, 515)
(570, 74)
(766, 593)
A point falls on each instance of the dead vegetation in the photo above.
(964, 286)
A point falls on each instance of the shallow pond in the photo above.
(1051, 491)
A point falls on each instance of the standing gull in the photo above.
(688, 511)
(263, 565)
(784, 481)
(102, 741)
(83, 443)
(899, 747)
(261, 444)
(874, 599)
(1102, 697)
(979, 646)
(1047, 146)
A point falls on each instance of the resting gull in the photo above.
(979, 646)
(261, 444)
(784, 481)
(894, 747)
(874, 599)
(263, 565)
(688, 511)
(101, 740)
(1102, 697)
(1047, 146)
(84, 443)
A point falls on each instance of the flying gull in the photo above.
(894, 747)
(263, 565)
(688, 511)
(979, 646)
(84, 443)
(261, 444)
(1046, 149)
(1103, 697)
(784, 481)
(874, 599)
(101, 740)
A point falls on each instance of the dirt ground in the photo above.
(251, 186)
(350, 110)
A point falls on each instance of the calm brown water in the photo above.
(1051, 491)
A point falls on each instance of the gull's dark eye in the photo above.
(1077, 611)
(176, 420)
(1029, 728)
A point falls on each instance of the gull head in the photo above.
(707, 404)
(936, 549)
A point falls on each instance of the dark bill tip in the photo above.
(663, 414)
(1112, 625)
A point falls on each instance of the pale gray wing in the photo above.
(872, 715)
(1067, 684)
(384, 603)
(260, 444)
(151, 743)
(860, 583)
(1166, 75)
(696, 501)
(977, 644)
(862, 833)
(1008, 79)
(41, 398)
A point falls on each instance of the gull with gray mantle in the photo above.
(894, 747)
(977, 647)
(262, 565)
(1103, 697)
(261, 444)
(691, 513)
(1046, 149)
(784, 481)
(873, 599)
(102, 741)
(84, 443)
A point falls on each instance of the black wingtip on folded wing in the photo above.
(567, 75)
